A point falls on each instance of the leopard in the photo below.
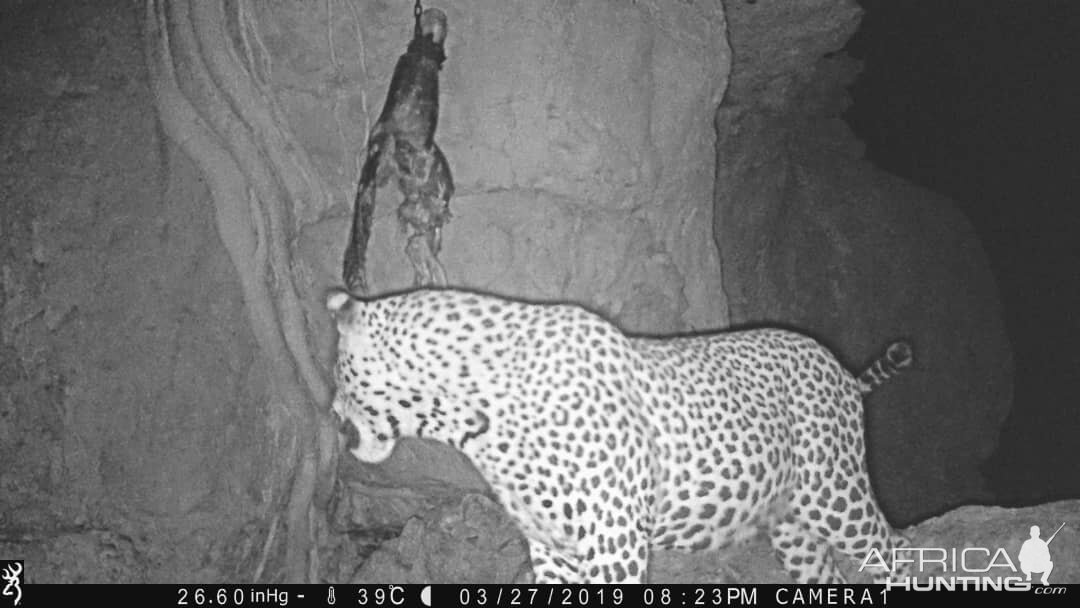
(604, 447)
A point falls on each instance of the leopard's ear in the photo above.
(337, 299)
(342, 306)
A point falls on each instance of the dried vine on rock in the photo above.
(224, 118)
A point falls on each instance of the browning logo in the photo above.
(11, 575)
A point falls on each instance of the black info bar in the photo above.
(525, 596)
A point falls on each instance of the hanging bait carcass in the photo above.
(402, 147)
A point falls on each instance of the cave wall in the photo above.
(814, 237)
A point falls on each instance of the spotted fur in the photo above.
(603, 447)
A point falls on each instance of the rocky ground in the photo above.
(473, 542)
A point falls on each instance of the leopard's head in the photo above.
(370, 427)
(414, 364)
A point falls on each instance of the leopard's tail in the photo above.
(896, 357)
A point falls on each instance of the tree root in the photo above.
(222, 116)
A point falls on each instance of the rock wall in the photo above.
(117, 301)
(813, 237)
